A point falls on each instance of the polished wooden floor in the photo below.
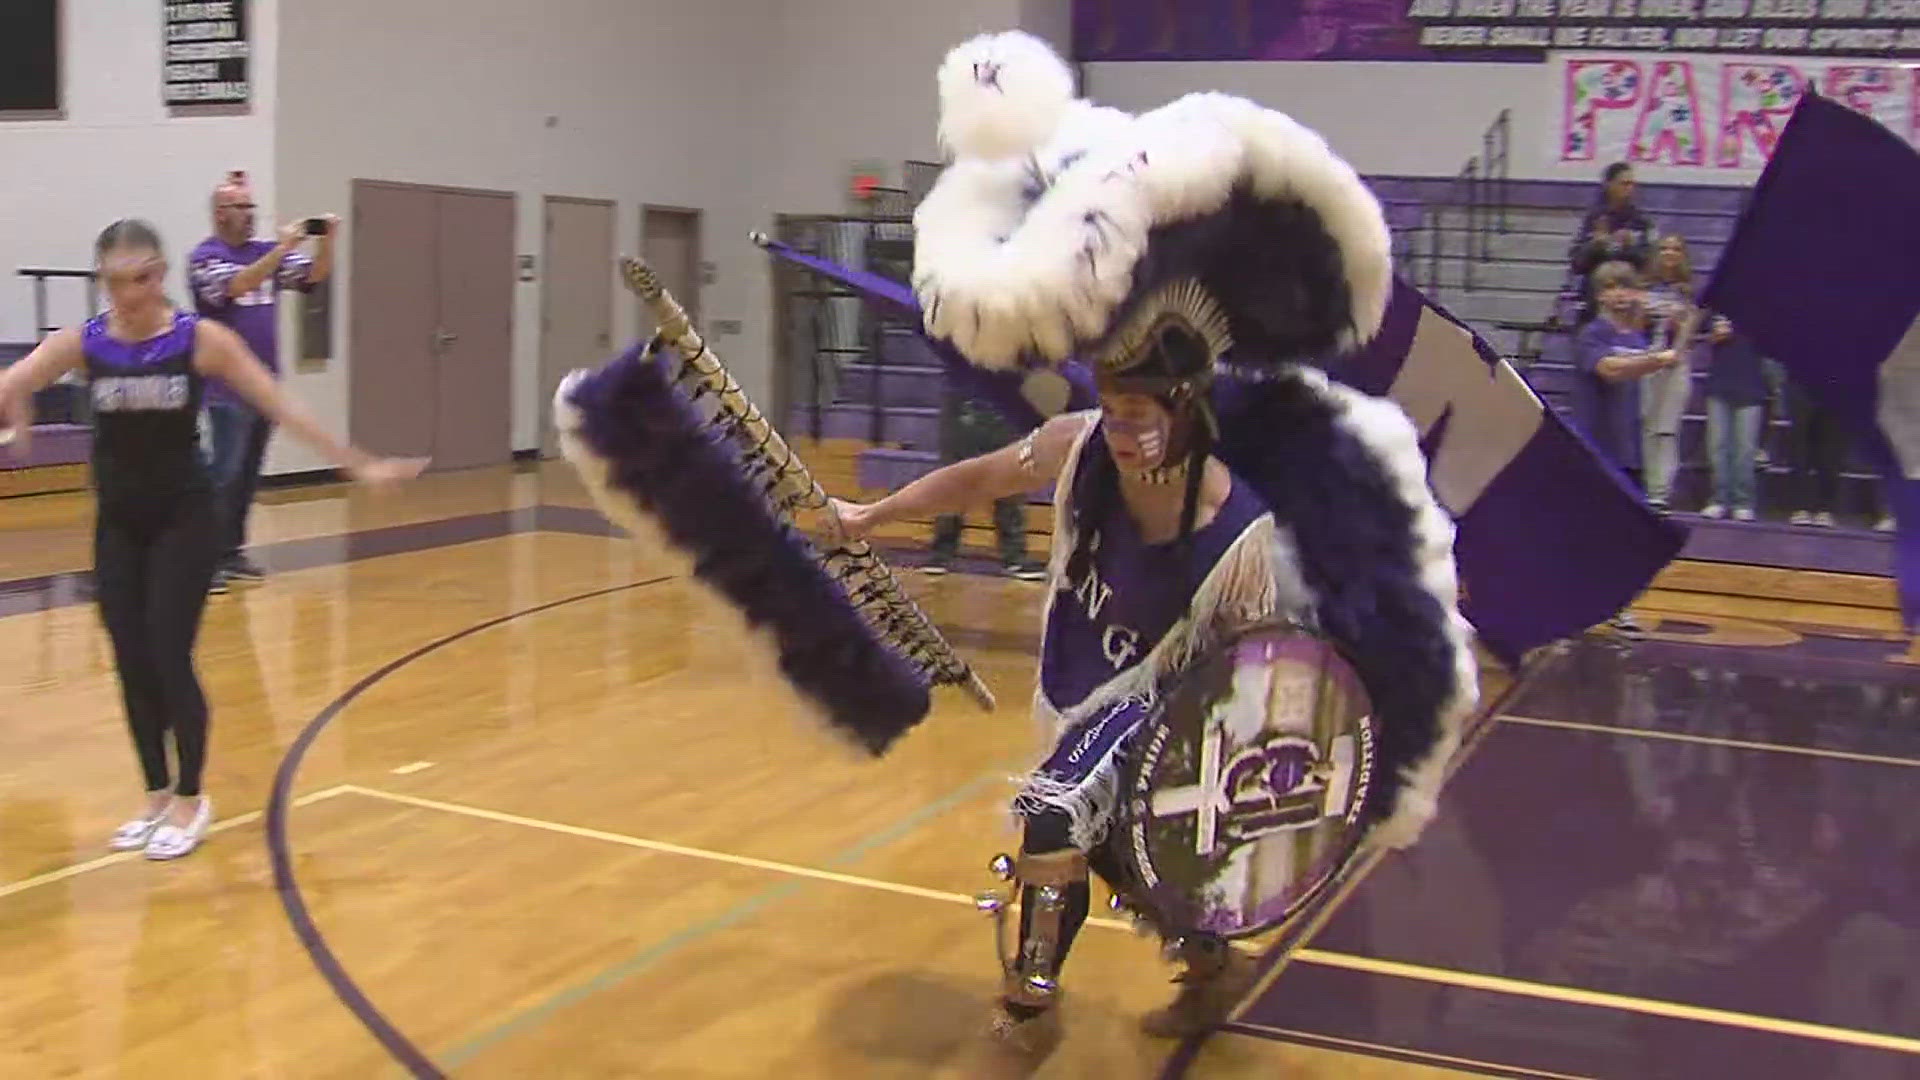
(592, 841)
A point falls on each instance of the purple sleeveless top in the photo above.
(146, 410)
(1110, 619)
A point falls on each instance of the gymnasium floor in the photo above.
(548, 815)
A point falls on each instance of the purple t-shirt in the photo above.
(213, 265)
(1608, 413)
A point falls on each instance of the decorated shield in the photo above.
(1243, 798)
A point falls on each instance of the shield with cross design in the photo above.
(1244, 800)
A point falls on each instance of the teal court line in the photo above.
(535, 1015)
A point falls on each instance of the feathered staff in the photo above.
(724, 488)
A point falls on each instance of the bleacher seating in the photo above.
(61, 439)
(1516, 297)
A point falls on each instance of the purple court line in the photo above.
(311, 939)
(69, 588)
(1188, 1051)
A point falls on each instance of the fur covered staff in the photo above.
(647, 456)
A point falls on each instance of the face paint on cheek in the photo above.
(1152, 446)
(1150, 437)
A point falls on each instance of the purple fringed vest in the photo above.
(1110, 619)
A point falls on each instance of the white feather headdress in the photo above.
(1057, 217)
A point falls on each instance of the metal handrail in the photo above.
(1479, 192)
(1494, 146)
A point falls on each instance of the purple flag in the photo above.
(1823, 274)
(1551, 540)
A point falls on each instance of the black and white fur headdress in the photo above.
(1064, 228)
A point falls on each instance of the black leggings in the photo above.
(153, 559)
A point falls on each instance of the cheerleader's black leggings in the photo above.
(153, 560)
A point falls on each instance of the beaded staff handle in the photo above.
(854, 566)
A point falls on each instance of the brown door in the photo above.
(431, 332)
(670, 242)
(474, 425)
(576, 297)
(392, 391)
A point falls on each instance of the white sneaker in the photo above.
(1885, 524)
(1713, 510)
(1801, 517)
(1743, 514)
(171, 841)
(134, 834)
(1823, 519)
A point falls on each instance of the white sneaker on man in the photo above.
(1713, 510)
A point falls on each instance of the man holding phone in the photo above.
(235, 280)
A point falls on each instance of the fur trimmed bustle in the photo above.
(1344, 471)
(648, 457)
(1001, 95)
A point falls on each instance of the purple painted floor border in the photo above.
(1744, 889)
(1276, 956)
(66, 589)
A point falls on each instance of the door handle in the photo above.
(444, 338)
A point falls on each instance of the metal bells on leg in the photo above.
(1032, 969)
(1142, 925)
(995, 904)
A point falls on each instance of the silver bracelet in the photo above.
(1025, 452)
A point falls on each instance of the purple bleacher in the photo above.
(1521, 283)
(1567, 194)
(51, 444)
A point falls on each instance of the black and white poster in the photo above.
(205, 53)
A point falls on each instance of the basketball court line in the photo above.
(1381, 1050)
(1367, 965)
(464, 1052)
(1672, 1010)
(234, 822)
(1712, 740)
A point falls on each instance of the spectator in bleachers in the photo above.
(1612, 354)
(1816, 449)
(968, 429)
(1615, 230)
(1664, 393)
(1877, 508)
(1737, 392)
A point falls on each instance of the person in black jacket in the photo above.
(1615, 230)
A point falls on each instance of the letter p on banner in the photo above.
(1594, 87)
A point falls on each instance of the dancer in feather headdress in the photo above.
(1161, 248)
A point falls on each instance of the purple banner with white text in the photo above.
(1488, 30)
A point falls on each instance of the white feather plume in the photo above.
(1001, 95)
